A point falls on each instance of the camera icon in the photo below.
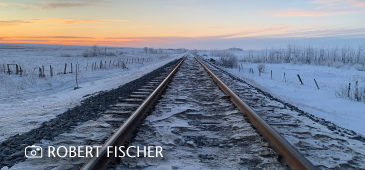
(35, 152)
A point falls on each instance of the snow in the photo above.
(321, 102)
(25, 108)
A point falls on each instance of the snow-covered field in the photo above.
(323, 102)
(27, 101)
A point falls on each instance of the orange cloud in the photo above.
(3, 4)
(74, 21)
(106, 27)
(73, 40)
(141, 26)
(210, 27)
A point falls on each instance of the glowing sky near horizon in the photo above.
(201, 24)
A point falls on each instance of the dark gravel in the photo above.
(331, 126)
(12, 149)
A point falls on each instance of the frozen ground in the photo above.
(321, 102)
(24, 106)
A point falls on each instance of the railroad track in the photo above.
(323, 143)
(198, 126)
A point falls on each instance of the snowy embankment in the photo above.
(321, 102)
(26, 107)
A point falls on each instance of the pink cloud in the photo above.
(325, 8)
(357, 3)
(301, 13)
(262, 30)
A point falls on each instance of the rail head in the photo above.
(280, 144)
(128, 127)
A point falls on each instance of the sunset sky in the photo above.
(202, 24)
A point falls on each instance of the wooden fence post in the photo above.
(8, 69)
(77, 84)
(284, 77)
(65, 68)
(348, 94)
(271, 74)
(50, 70)
(43, 75)
(71, 68)
(316, 83)
(356, 92)
(17, 69)
(300, 79)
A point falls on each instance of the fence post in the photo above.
(316, 83)
(50, 70)
(65, 68)
(8, 69)
(43, 75)
(271, 74)
(348, 94)
(17, 69)
(300, 79)
(284, 77)
(71, 68)
(77, 84)
(357, 92)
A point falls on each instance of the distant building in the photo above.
(235, 49)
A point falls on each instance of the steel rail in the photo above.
(289, 153)
(128, 127)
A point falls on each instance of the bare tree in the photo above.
(151, 50)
